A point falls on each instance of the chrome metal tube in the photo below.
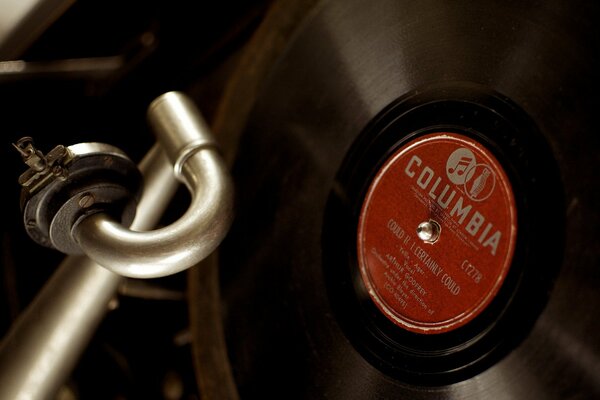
(44, 344)
(190, 239)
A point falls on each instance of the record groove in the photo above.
(358, 82)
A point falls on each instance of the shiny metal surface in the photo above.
(351, 60)
(42, 347)
(429, 231)
(196, 233)
(180, 128)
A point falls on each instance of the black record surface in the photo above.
(351, 61)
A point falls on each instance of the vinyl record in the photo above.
(416, 207)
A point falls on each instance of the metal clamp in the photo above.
(73, 182)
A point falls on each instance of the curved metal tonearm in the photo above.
(191, 148)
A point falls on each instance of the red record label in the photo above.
(436, 233)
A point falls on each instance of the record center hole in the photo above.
(429, 231)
